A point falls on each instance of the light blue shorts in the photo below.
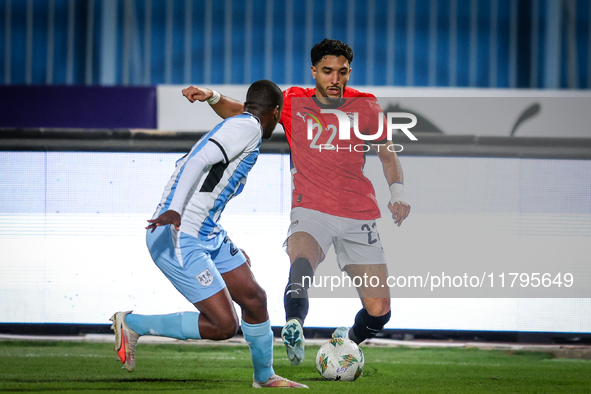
(193, 266)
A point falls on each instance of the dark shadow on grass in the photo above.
(99, 389)
(110, 380)
(123, 387)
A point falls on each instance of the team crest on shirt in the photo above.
(205, 277)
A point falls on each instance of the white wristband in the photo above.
(397, 191)
(215, 98)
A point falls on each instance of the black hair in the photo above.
(263, 96)
(331, 47)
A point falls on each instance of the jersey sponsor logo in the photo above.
(205, 277)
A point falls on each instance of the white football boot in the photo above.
(125, 340)
(294, 341)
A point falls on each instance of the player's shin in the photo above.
(295, 299)
(367, 326)
(183, 325)
(260, 341)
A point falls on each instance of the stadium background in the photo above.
(90, 110)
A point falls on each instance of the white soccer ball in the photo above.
(340, 359)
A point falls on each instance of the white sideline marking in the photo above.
(376, 342)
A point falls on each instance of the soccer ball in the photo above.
(340, 359)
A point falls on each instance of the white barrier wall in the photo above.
(481, 112)
(73, 240)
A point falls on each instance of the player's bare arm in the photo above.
(224, 106)
(168, 217)
(393, 172)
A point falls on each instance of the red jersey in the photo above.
(327, 171)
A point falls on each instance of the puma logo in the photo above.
(302, 116)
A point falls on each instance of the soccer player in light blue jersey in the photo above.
(193, 251)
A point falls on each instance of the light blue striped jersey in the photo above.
(239, 138)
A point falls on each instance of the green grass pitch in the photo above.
(50, 367)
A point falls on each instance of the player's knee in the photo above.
(253, 301)
(379, 307)
(224, 327)
(258, 300)
(228, 329)
(303, 245)
(255, 298)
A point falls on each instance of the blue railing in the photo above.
(467, 43)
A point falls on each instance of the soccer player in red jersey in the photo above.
(333, 203)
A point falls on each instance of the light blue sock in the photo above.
(183, 325)
(260, 341)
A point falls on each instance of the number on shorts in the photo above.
(370, 231)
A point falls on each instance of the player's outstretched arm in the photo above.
(168, 217)
(393, 172)
(224, 106)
